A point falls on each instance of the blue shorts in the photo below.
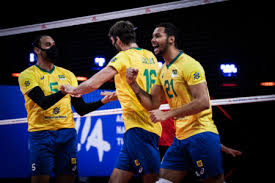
(53, 152)
(200, 152)
(139, 153)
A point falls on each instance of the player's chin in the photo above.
(156, 51)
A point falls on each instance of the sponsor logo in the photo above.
(137, 162)
(199, 163)
(61, 77)
(73, 161)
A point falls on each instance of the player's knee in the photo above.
(161, 180)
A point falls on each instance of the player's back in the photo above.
(134, 114)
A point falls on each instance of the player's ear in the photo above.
(171, 39)
(36, 50)
(119, 42)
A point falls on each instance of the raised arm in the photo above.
(91, 84)
(148, 101)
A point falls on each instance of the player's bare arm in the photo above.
(230, 151)
(199, 103)
(91, 84)
(148, 101)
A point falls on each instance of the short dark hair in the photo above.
(125, 30)
(171, 30)
(37, 41)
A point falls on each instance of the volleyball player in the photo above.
(182, 81)
(52, 135)
(139, 153)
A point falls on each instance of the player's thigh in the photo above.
(65, 179)
(66, 155)
(41, 154)
(40, 179)
(205, 150)
(120, 176)
(143, 150)
(174, 176)
(150, 178)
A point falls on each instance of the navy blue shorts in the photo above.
(200, 152)
(139, 153)
(53, 152)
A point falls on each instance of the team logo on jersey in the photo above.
(196, 76)
(42, 78)
(61, 77)
(27, 83)
(174, 73)
(56, 110)
(113, 60)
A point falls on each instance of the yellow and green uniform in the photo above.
(175, 79)
(59, 115)
(134, 114)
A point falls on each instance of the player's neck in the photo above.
(170, 55)
(48, 66)
(131, 45)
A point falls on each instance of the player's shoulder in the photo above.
(119, 55)
(28, 70)
(63, 70)
(188, 60)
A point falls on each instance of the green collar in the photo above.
(136, 48)
(174, 59)
(44, 70)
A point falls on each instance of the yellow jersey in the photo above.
(175, 79)
(57, 116)
(134, 114)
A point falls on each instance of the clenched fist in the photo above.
(131, 75)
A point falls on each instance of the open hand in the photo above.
(68, 89)
(108, 96)
(158, 115)
(230, 151)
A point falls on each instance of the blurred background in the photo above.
(232, 40)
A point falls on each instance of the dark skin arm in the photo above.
(148, 101)
(199, 103)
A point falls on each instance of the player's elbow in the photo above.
(204, 103)
(150, 107)
(44, 104)
(81, 113)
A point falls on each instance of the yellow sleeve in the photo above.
(118, 61)
(73, 79)
(157, 78)
(193, 73)
(27, 81)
